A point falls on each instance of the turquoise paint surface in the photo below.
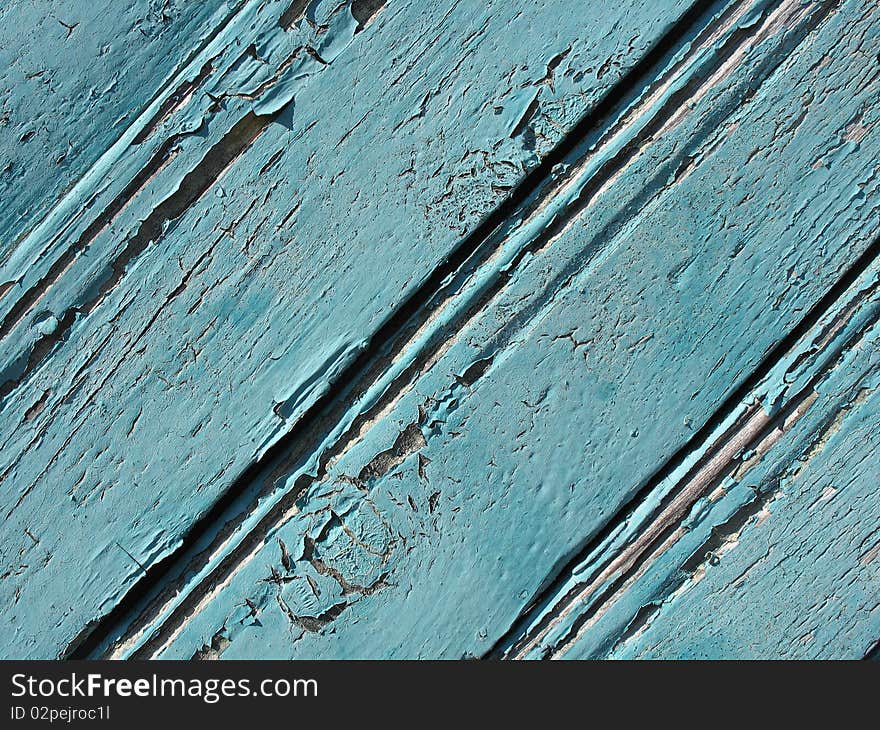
(503, 477)
(74, 76)
(280, 244)
(232, 246)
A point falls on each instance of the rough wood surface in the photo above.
(452, 330)
(73, 76)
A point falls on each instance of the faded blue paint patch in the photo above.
(603, 353)
(225, 264)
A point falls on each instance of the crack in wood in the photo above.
(389, 340)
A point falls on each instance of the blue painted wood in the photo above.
(224, 262)
(647, 370)
(763, 537)
(800, 579)
(73, 76)
(547, 408)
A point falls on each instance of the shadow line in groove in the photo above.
(522, 628)
(355, 379)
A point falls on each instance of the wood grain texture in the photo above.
(751, 514)
(195, 273)
(407, 331)
(73, 76)
(437, 521)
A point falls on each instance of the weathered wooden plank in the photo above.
(203, 291)
(749, 512)
(798, 580)
(670, 262)
(73, 76)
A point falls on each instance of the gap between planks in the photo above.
(741, 424)
(399, 331)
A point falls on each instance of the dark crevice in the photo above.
(522, 628)
(474, 372)
(170, 105)
(407, 443)
(162, 579)
(313, 624)
(640, 621)
(190, 190)
(365, 10)
(32, 295)
(193, 186)
(117, 204)
(720, 534)
(191, 56)
(219, 643)
(40, 349)
(294, 12)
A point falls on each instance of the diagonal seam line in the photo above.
(554, 582)
(357, 375)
